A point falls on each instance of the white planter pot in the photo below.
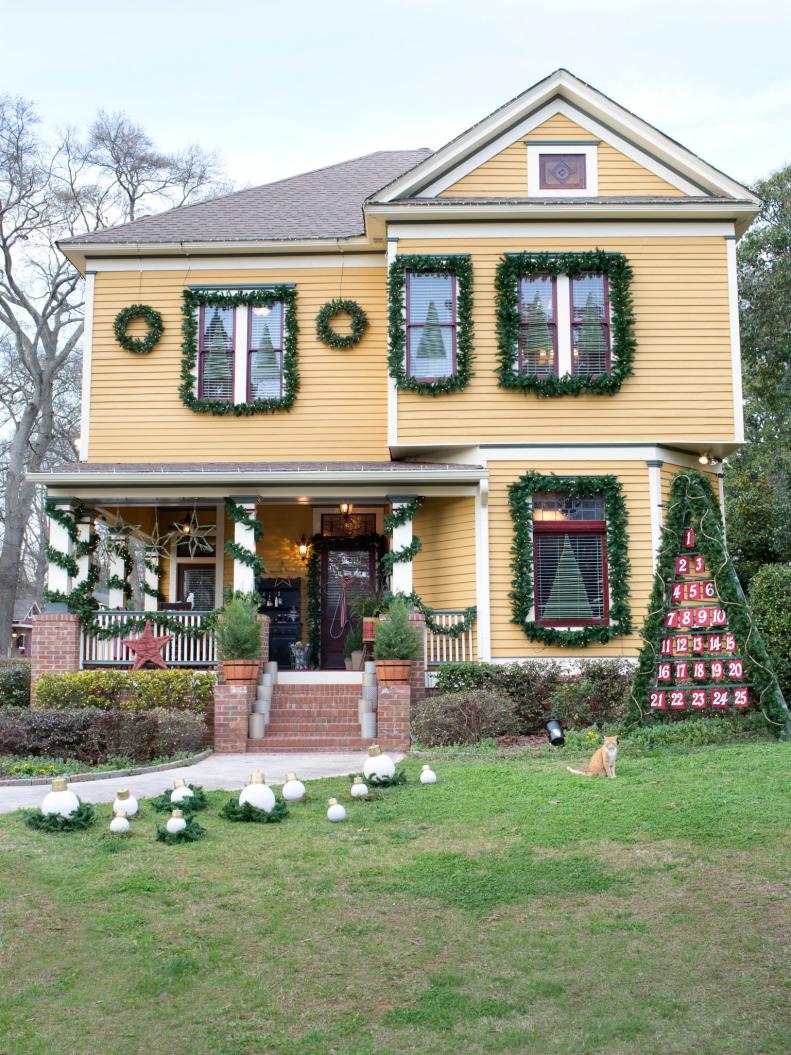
(256, 726)
(370, 694)
(261, 707)
(368, 724)
(267, 678)
(368, 678)
(370, 667)
(363, 708)
(265, 692)
(270, 667)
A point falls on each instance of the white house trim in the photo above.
(655, 504)
(392, 388)
(483, 622)
(240, 354)
(87, 359)
(615, 229)
(606, 452)
(534, 188)
(236, 263)
(736, 348)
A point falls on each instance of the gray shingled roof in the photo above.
(325, 203)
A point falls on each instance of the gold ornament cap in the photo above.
(60, 784)
(257, 778)
(120, 813)
(291, 776)
(332, 802)
(123, 793)
(177, 813)
(358, 780)
(424, 768)
(374, 751)
(178, 782)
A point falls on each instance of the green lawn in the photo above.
(512, 907)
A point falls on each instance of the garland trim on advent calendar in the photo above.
(692, 507)
(461, 267)
(329, 311)
(516, 266)
(138, 345)
(192, 300)
(520, 495)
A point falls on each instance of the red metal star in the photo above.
(148, 647)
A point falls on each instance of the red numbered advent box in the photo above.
(715, 642)
(720, 697)
(698, 565)
(699, 670)
(663, 672)
(682, 670)
(729, 643)
(657, 699)
(717, 670)
(708, 590)
(718, 617)
(681, 645)
(677, 699)
(698, 644)
(689, 538)
(692, 591)
(673, 619)
(697, 698)
(677, 592)
(735, 669)
(741, 697)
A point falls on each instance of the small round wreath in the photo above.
(138, 345)
(328, 336)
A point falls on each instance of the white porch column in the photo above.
(482, 601)
(401, 577)
(58, 578)
(115, 596)
(151, 579)
(655, 501)
(243, 574)
(84, 562)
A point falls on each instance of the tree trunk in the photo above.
(18, 504)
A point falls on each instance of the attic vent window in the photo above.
(561, 172)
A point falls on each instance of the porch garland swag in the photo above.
(520, 495)
(516, 266)
(239, 515)
(192, 299)
(328, 336)
(138, 345)
(461, 267)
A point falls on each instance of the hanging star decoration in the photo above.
(148, 647)
(195, 534)
(157, 543)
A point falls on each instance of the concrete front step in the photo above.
(272, 744)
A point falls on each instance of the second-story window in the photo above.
(538, 336)
(216, 353)
(430, 326)
(590, 325)
(265, 352)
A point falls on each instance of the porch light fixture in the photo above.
(346, 508)
(303, 547)
(184, 525)
(707, 458)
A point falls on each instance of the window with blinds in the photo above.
(265, 352)
(570, 565)
(215, 353)
(538, 337)
(431, 326)
(590, 325)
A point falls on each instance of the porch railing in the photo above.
(181, 651)
(440, 648)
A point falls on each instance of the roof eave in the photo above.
(470, 474)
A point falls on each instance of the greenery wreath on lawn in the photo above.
(331, 309)
(232, 811)
(198, 801)
(190, 834)
(138, 345)
(82, 818)
(398, 778)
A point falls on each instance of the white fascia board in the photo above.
(239, 263)
(87, 362)
(399, 213)
(236, 481)
(597, 229)
(736, 348)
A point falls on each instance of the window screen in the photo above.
(590, 325)
(431, 326)
(537, 325)
(215, 350)
(265, 352)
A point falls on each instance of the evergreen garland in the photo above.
(398, 778)
(400, 556)
(138, 345)
(192, 299)
(232, 811)
(240, 515)
(457, 630)
(328, 336)
(516, 266)
(163, 804)
(82, 818)
(402, 515)
(191, 834)
(520, 495)
(461, 267)
(692, 504)
(151, 565)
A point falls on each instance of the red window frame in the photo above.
(410, 326)
(543, 160)
(553, 325)
(202, 354)
(251, 350)
(573, 527)
(605, 325)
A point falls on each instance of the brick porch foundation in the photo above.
(55, 646)
(392, 717)
(229, 714)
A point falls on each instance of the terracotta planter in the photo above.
(241, 671)
(369, 628)
(393, 671)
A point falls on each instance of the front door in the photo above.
(348, 570)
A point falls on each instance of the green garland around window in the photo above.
(239, 515)
(520, 494)
(692, 504)
(623, 344)
(328, 336)
(461, 267)
(138, 345)
(191, 301)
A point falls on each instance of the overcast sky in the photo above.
(280, 87)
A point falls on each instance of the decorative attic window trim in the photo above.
(193, 298)
(457, 265)
(515, 267)
(616, 581)
(538, 151)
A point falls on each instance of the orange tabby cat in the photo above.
(603, 760)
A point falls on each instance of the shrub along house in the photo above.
(510, 343)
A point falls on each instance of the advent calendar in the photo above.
(699, 667)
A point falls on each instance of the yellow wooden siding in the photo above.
(681, 388)
(508, 640)
(668, 471)
(505, 174)
(340, 411)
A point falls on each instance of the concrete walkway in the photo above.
(228, 772)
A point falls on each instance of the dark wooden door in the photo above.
(347, 566)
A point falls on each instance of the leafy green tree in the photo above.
(770, 597)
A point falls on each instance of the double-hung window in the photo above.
(216, 349)
(264, 351)
(538, 331)
(570, 560)
(590, 325)
(430, 326)
(240, 352)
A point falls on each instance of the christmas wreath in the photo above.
(82, 818)
(331, 309)
(232, 811)
(138, 345)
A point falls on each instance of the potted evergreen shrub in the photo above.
(397, 644)
(353, 647)
(239, 641)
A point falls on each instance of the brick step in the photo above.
(329, 708)
(311, 729)
(273, 744)
(277, 715)
(315, 701)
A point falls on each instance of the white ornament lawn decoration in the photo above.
(336, 812)
(293, 789)
(359, 788)
(257, 794)
(61, 799)
(119, 825)
(180, 791)
(427, 775)
(378, 765)
(125, 802)
(176, 822)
